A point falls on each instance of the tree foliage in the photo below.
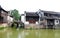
(15, 14)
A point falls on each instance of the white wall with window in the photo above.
(56, 22)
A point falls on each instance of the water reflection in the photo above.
(11, 33)
(22, 34)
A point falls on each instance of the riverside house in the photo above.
(3, 17)
(41, 19)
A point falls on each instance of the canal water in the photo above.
(19, 33)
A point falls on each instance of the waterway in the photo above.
(21, 33)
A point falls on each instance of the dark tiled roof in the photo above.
(51, 12)
(3, 9)
(31, 14)
(11, 16)
(51, 17)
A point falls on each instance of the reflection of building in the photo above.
(44, 19)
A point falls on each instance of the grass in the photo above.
(2, 28)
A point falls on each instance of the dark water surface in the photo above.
(17, 33)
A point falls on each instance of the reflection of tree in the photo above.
(12, 34)
(9, 34)
(21, 35)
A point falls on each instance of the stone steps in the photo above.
(33, 26)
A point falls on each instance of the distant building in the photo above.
(43, 19)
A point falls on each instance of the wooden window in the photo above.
(1, 19)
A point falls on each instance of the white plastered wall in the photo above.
(23, 19)
(56, 22)
(10, 19)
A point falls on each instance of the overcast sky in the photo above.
(31, 5)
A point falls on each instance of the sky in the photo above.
(30, 5)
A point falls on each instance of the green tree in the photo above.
(15, 14)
